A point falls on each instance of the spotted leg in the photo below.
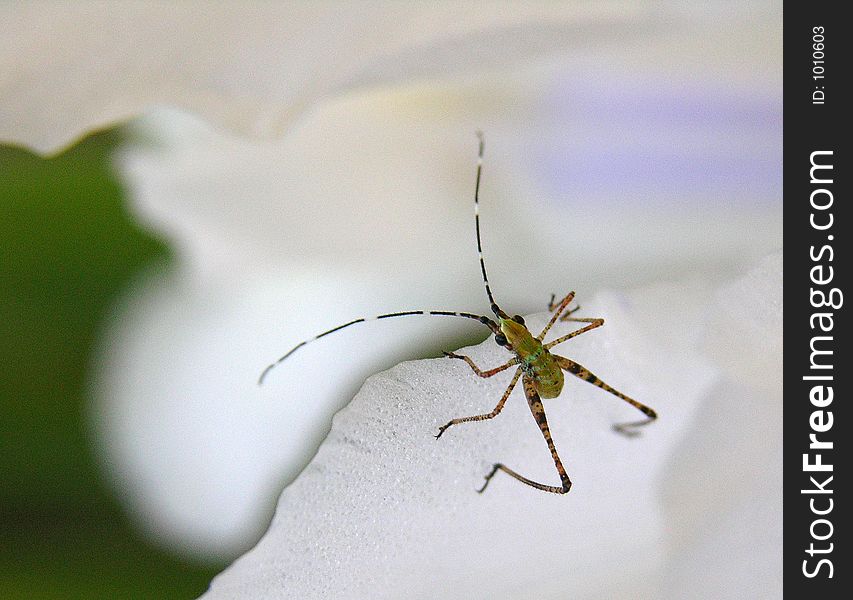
(538, 411)
(497, 410)
(556, 313)
(553, 305)
(582, 372)
(593, 323)
(477, 370)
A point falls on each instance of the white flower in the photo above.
(625, 147)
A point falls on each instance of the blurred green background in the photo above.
(68, 248)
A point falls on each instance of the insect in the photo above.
(540, 371)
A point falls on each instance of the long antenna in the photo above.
(495, 308)
(442, 313)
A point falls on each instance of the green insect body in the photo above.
(540, 371)
(539, 364)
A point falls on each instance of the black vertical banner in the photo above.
(817, 430)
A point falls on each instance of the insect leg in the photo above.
(538, 411)
(490, 415)
(593, 323)
(583, 373)
(477, 370)
(560, 308)
(567, 316)
(552, 305)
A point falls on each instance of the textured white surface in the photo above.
(724, 491)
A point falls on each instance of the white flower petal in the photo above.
(385, 511)
(377, 514)
(723, 496)
(723, 499)
(744, 333)
(67, 68)
(195, 448)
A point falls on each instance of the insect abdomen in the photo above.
(546, 375)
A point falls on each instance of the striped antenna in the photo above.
(495, 308)
(442, 313)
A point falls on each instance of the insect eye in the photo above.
(518, 319)
(500, 339)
